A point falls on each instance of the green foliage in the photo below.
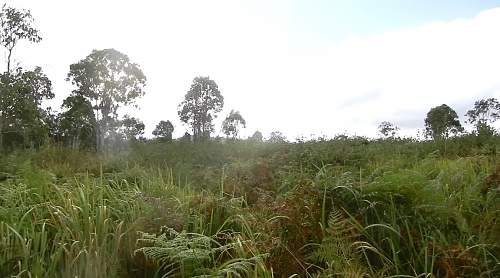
(179, 252)
(164, 130)
(77, 124)
(16, 25)
(276, 137)
(22, 120)
(441, 121)
(132, 128)
(200, 107)
(60, 230)
(257, 136)
(347, 207)
(231, 125)
(484, 111)
(110, 80)
(387, 129)
(195, 255)
(337, 251)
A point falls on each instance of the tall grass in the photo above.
(342, 208)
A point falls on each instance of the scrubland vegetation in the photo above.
(83, 193)
(349, 207)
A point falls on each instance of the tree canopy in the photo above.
(132, 128)
(441, 122)
(77, 123)
(106, 81)
(109, 80)
(387, 129)
(484, 113)
(200, 106)
(164, 130)
(22, 120)
(232, 124)
(276, 137)
(16, 25)
(257, 136)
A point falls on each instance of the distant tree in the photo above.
(109, 80)
(164, 130)
(186, 137)
(341, 136)
(232, 124)
(200, 106)
(77, 124)
(133, 128)
(387, 129)
(257, 136)
(16, 25)
(22, 120)
(441, 121)
(276, 137)
(51, 120)
(484, 113)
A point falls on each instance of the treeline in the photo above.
(107, 80)
(442, 121)
(104, 81)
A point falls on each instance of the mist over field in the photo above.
(249, 138)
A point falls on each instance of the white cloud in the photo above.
(246, 48)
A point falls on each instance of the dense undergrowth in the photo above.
(339, 208)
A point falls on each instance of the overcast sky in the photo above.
(300, 67)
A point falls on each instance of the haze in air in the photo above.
(249, 138)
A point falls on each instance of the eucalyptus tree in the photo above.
(232, 124)
(200, 107)
(132, 128)
(387, 129)
(109, 80)
(16, 25)
(22, 119)
(256, 137)
(441, 122)
(77, 124)
(484, 113)
(164, 130)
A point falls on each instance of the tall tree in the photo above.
(257, 136)
(164, 130)
(441, 121)
(200, 106)
(51, 118)
(16, 25)
(484, 113)
(232, 124)
(109, 80)
(387, 129)
(22, 120)
(77, 124)
(133, 128)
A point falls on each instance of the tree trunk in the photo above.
(99, 137)
(8, 60)
(1, 132)
(98, 129)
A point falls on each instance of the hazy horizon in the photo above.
(324, 68)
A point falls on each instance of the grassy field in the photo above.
(338, 208)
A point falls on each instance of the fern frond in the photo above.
(336, 250)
